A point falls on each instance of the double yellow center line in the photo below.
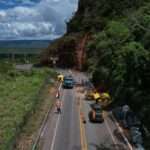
(82, 129)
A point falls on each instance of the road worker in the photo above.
(58, 106)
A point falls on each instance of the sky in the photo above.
(35, 19)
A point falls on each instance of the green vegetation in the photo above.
(18, 98)
(20, 59)
(122, 61)
(20, 50)
(117, 50)
(64, 49)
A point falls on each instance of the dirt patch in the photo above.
(30, 131)
(80, 52)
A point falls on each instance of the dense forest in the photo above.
(117, 51)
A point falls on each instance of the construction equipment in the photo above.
(105, 99)
(96, 96)
(96, 113)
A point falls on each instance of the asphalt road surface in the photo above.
(67, 131)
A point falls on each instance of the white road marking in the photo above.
(110, 132)
(121, 131)
(42, 134)
(55, 133)
(56, 128)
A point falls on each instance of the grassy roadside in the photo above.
(26, 139)
(19, 98)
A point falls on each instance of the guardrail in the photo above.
(41, 129)
(34, 147)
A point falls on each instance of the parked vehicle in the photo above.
(128, 119)
(136, 136)
(68, 82)
(96, 114)
(118, 114)
(132, 120)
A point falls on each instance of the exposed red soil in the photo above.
(80, 52)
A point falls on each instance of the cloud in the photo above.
(2, 15)
(14, 3)
(26, 29)
(45, 19)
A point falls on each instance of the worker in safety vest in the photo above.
(58, 106)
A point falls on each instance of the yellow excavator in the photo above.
(97, 96)
(104, 98)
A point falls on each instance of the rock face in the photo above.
(70, 49)
(90, 18)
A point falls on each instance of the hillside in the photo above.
(111, 39)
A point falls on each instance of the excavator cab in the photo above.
(97, 96)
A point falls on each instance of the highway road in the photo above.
(67, 131)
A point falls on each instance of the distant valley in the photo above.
(23, 46)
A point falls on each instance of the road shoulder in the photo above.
(27, 138)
